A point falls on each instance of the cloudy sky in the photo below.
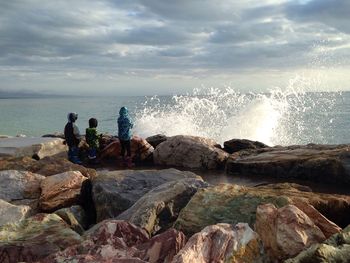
(173, 46)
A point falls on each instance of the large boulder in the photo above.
(35, 238)
(141, 150)
(190, 152)
(159, 208)
(317, 163)
(227, 203)
(116, 191)
(46, 166)
(18, 185)
(120, 241)
(222, 243)
(32, 147)
(286, 231)
(335, 249)
(334, 207)
(10, 213)
(60, 190)
(236, 145)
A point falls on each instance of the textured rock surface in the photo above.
(222, 243)
(25, 146)
(115, 192)
(75, 217)
(155, 140)
(159, 208)
(12, 213)
(46, 166)
(286, 231)
(232, 204)
(236, 145)
(334, 207)
(141, 150)
(35, 238)
(60, 190)
(114, 240)
(334, 250)
(327, 227)
(17, 185)
(190, 152)
(318, 163)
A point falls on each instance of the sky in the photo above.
(147, 47)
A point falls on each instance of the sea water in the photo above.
(277, 117)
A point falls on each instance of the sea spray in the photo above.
(279, 117)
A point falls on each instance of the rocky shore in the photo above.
(52, 210)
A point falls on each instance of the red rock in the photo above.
(285, 231)
(60, 190)
(221, 243)
(140, 149)
(327, 227)
(120, 241)
(162, 247)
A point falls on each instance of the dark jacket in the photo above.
(71, 135)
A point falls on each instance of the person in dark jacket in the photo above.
(93, 140)
(124, 134)
(72, 136)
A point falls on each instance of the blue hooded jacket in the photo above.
(124, 125)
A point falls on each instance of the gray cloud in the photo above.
(146, 38)
(330, 13)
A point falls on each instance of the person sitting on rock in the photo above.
(72, 136)
(124, 134)
(93, 140)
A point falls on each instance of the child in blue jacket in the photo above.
(124, 133)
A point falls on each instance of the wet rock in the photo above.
(46, 166)
(54, 135)
(25, 146)
(35, 238)
(335, 249)
(155, 140)
(159, 208)
(222, 243)
(232, 204)
(75, 217)
(116, 191)
(190, 152)
(317, 163)
(120, 241)
(285, 231)
(18, 185)
(10, 213)
(60, 190)
(141, 150)
(236, 145)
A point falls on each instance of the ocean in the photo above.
(275, 118)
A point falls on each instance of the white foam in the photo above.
(278, 117)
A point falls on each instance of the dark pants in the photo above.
(125, 145)
(73, 154)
